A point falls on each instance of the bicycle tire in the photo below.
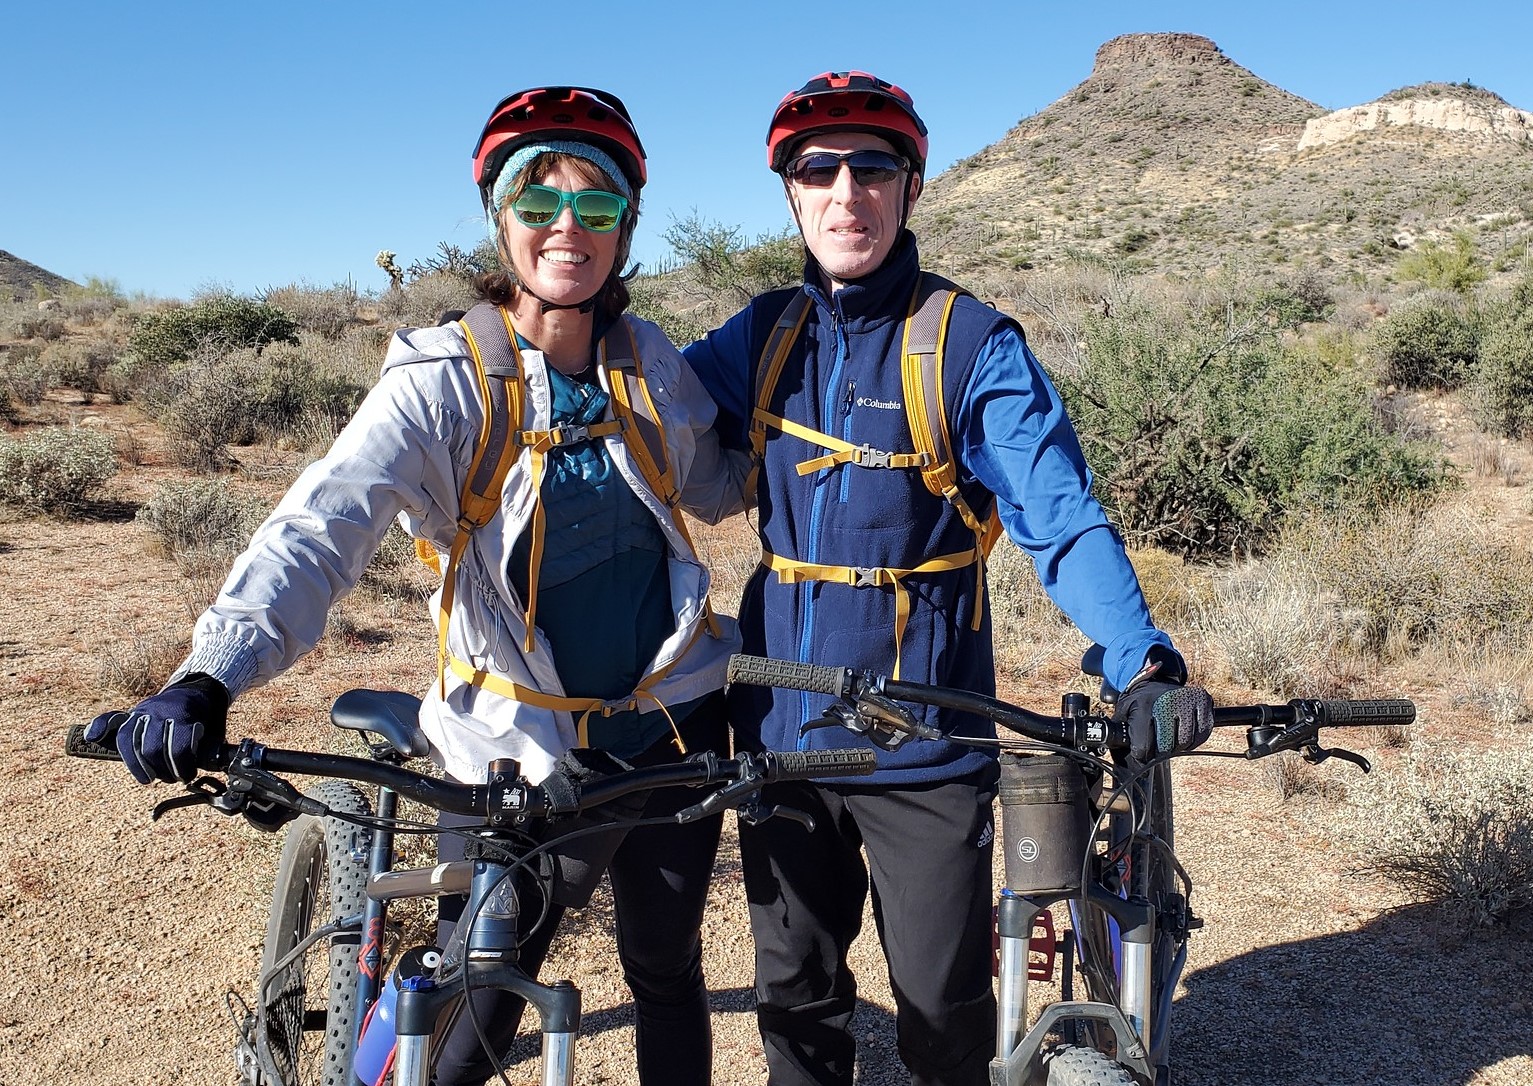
(1070, 1065)
(306, 1018)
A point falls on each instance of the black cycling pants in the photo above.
(928, 849)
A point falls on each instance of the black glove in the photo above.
(166, 737)
(1163, 713)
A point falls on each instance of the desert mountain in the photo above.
(20, 280)
(1173, 155)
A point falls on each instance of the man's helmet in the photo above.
(557, 113)
(847, 102)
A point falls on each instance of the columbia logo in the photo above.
(882, 405)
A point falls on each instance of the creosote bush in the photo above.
(1454, 826)
(1204, 427)
(226, 321)
(57, 471)
(1428, 341)
(202, 516)
(1501, 395)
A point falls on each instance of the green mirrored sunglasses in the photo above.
(597, 211)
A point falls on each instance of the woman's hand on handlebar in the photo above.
(168, 736)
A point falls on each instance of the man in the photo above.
(865, 566)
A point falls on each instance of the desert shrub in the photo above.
(31, 323)
(1454, 267)
(722, 270)
(421, 302)
(137, 666)
(80, 365)
(1454, 826)
(650, 300)
(92, 303)
(218, 399)
(1501, 396)
(1428, 341)
(55, 471)
(1204, 429)
(1274, 623)
(23, 374)
(325, 311)
(203, 516)
(1298, 300)
(226, 321)
(1418, 576)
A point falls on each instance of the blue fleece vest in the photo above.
(843, 379)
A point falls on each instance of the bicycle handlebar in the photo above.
(507, 797)
(1269, 728)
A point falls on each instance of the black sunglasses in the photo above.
(818, 169)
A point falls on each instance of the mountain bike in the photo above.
(1086, 825)
(336, 1003)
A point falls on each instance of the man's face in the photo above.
(848, 227)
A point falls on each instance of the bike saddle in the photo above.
(390, 714)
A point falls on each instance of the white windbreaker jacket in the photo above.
(405, 454)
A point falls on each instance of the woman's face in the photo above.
(561, 262)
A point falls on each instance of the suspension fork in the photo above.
(486, 954)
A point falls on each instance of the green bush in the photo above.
(1502, 392)
(203, 516)
(1428, 341)
(1204, 430)
(80, 365)
(1456, 267)
(56, 471)
(224, 321)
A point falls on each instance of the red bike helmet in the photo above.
(847, 101)
(552, 113)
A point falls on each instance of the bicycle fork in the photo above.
(484, 956)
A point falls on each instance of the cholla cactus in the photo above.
(385, 260)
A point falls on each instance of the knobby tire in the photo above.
(307, 1016)
(1068, 1065)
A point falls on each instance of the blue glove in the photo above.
(166, 737)
(1163, 713)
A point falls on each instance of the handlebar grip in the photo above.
(803, 765)
(77, 746)
(1385, 712)
(788, 675)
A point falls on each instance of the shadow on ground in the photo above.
(1400, 1001)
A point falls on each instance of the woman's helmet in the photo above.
(842, 102)
(553, 113)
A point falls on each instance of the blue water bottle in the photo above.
(374, 1061)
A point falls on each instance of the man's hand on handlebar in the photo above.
(1163, 714)
(166, 737)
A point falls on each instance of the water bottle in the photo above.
(374, 1061)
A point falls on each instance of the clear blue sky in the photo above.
(177, 147)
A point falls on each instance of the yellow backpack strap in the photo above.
(921, 354)
(774, 355)
(497, 369)
(643, 432)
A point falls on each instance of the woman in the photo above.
(576, 614)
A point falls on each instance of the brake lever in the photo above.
(1314, 754)
(755, 813)
(207, 790)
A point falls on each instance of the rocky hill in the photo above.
(20, 280)
(1175, 157)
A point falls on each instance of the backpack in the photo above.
(923, 339)
(498, 369)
